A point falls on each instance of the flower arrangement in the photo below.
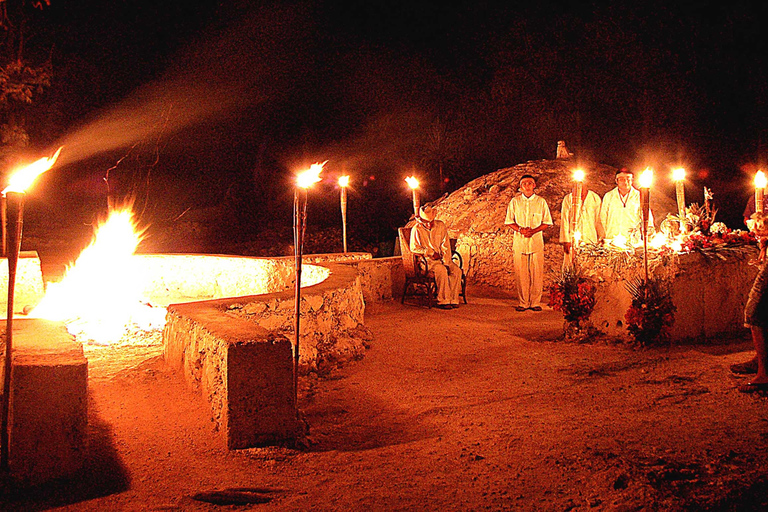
(651, 315)
(573, 294)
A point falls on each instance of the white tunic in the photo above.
(528, 212)
(431, 241)
(622, 216)
(587, 220)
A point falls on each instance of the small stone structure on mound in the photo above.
(475, 215)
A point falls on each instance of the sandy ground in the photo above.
(478, 408)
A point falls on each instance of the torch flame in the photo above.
(760, 180)
(646, 178)
(344, 181)
(577, 237)
(22, 179)
(311, 176)
(678, 174)
(578, 175)
(620, 241)
(100, 294)
(412, 182)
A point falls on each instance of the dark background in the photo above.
(212, 106)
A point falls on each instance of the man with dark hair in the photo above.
(429, 237)
(528, 215)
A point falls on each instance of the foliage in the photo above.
(573, 294)
(651, 315)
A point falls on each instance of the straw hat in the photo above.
(427, 213)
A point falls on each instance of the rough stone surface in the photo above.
(49, 402)
(29, 287)
(244, 372)
(237, 351)
(382, 279)
(475, 214)
(709, 293)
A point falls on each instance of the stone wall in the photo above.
(709, 293)
(238, 350)
(29, 287)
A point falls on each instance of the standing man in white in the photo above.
(621, 213)
(587, 221)
(528, 215)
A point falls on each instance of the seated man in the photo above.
(429, 237)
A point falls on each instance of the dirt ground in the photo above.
(479, 408)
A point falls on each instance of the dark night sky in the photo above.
(258, 91)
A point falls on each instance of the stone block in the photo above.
(29, 287)
(49, 402)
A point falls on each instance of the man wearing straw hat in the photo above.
(430, 237)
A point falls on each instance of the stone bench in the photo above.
(238, 350)
(49, 402)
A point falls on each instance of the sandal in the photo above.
(753, 387)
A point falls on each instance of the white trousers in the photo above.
(448, 281)
(529, 278)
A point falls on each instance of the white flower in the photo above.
(718, 227)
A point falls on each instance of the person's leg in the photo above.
(454, 279)
(441, 279)
(522, 280)
(537, 278)
(754, 310)
(758, 338)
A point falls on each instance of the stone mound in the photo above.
(475, 215)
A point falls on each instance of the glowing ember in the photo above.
(100, 295)
(760, 180)
(23, 178)
(646, 178)
(678, 174)
(344, 181)
(311, 176)
(412, 182)
(578, 175)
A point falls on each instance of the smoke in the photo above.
(229, 67)
(155, 111)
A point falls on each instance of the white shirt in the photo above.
(587, 219)
(623, 215)
(431, 241)
(528, 212)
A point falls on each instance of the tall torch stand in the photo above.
(299, 226)
(15, 216)
(645, 202)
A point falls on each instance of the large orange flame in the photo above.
(100, 294)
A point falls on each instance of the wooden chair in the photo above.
(419, 281)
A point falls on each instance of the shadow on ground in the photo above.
(102, 474)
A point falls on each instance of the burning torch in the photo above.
(578, 178)
(678, 175)
(760, 184)
(344, 183)
(646, 178)
(14, 200)
(303, 181)
(414, 184)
